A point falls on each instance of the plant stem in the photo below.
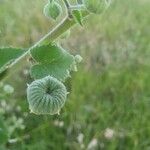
(67, 4)
(77, 7)
(51, 36)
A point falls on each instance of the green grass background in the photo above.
(110, 90)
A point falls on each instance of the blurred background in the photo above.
(108, 107)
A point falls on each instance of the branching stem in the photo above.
(67, 4)
(51, 36)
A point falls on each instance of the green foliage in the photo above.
(77, 16)
(110, 91)
(3, 132)
(8, 55)
(52, 60)
(47, 53)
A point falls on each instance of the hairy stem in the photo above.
(77, 7)
(67, 4)
(51, 36)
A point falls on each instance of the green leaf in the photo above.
(77, 15)
(46, 53)
(51, 60)
(3, 132)
(8, 55)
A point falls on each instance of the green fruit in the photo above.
(96, 6)
(46, 96)
(52, 10)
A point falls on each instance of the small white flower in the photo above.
(8, 89)
(109, 133)
(25, 71)
(59, 123)
(80, 138)
(13, 140)
(93, 144)
(56, 122)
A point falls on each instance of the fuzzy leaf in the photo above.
(46, 53)
(8, 55)
(53, 60)
(77, 16)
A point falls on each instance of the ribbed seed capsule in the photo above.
(46, 96)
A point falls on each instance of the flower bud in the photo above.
(97, 6)
(52, 10)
